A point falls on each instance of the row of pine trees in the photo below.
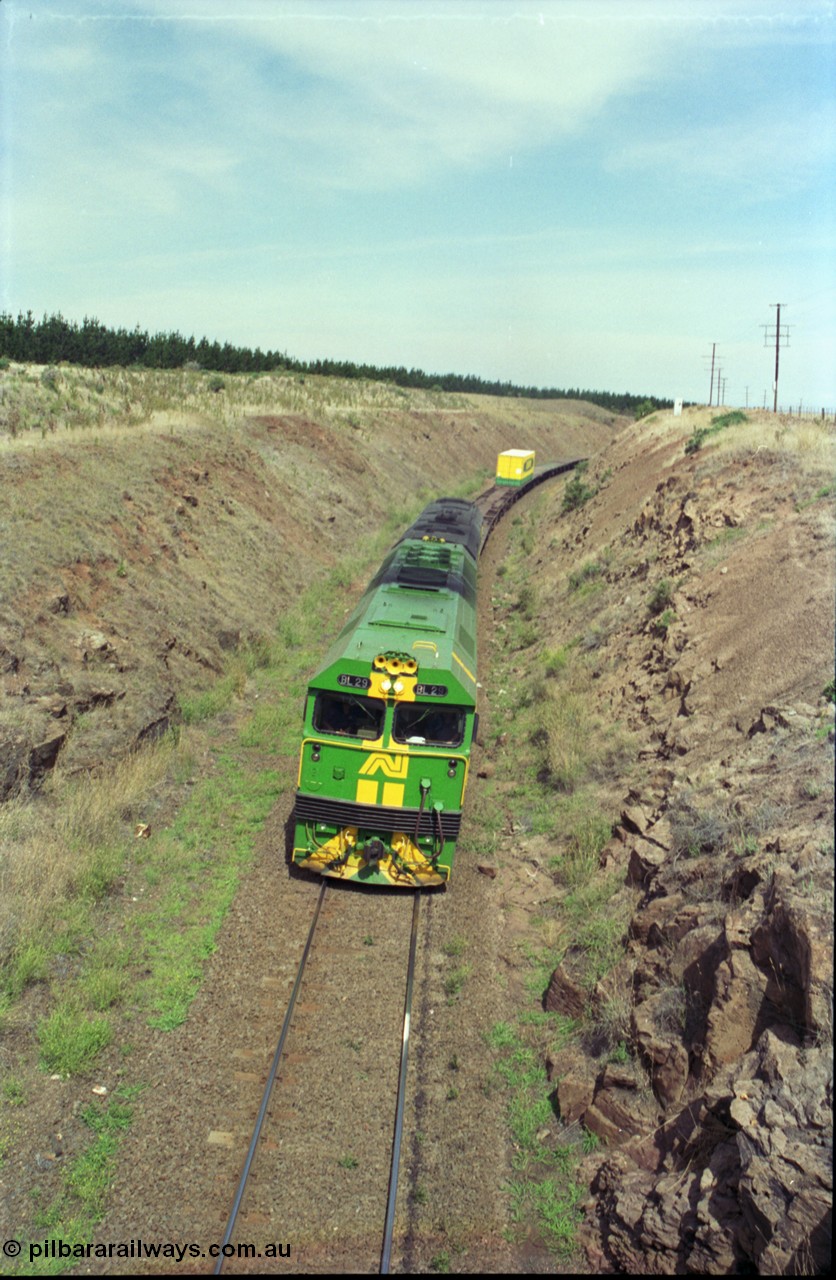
(53, 339)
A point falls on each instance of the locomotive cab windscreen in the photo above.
(348, 716)
(420, 725)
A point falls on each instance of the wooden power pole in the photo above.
(779, 337)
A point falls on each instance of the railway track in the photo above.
(324, 1155)
(496, 500)
(326, 1144)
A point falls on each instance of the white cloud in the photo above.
(754, 154)
(302, 175)
(394, 93)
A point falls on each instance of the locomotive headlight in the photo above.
(398, 686)
(386, 685)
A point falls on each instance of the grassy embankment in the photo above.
(106, 932)
(562, 768)
(40, 402)
(555, 757)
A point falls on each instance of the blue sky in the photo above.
(565, 193)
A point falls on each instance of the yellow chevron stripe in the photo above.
(391, 766)
(468, 673)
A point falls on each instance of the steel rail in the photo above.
(494, 503)
(398, 1135)
(268, 1088)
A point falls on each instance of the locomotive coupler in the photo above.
(373, 850)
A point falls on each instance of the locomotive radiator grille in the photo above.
(368, 817)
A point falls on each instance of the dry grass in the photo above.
(67, 848)
(808, 445)
(569, 748)
(578, 745)
(37, 403)
(808, 439)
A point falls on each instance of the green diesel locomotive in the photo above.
(390, 716)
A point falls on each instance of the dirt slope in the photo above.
(699, 590)
(708, 625)
(135, 555)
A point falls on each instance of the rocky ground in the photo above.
(723, 997)
(694, 591)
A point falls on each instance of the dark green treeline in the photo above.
(54, 339)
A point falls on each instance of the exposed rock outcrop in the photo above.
(741, 1179)
(718, 1158)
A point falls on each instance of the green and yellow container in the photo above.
(514, 466)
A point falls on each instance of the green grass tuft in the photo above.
(577, 491)
(70, 1041)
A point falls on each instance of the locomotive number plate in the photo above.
(354, 682)
(431, 691)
